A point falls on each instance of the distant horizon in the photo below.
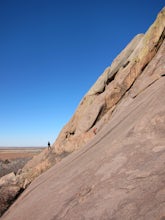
(51, 54)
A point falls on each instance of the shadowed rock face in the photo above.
(117, 170)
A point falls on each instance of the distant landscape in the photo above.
(12, 159)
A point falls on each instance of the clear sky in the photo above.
(52, 52)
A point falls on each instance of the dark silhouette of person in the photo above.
(49, 147)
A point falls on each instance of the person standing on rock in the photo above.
(49, 147)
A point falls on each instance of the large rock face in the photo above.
(118, 132)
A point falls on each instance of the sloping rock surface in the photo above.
(118, 132)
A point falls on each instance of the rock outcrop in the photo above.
(116, 136)
(98, 104)
(9, 190)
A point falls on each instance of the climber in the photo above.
(49, 147)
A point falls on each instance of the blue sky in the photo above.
(52, 52)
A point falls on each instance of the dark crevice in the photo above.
(69, 133)
(18, 194)
(162, 37)
(110, 79)
(126, 64)
(143, 68)
(72, 133)
(98, 93)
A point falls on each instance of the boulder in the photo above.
(9, 190)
